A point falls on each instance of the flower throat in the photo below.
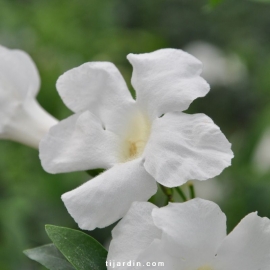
(135, 138)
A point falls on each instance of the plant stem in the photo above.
(191, 190)
(95, 172)
(181, 193)
(168, 192)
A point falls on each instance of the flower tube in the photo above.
(22, 119)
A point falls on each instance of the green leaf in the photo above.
(80, 249)
(211, 5)
(49, 256)
(214, 3)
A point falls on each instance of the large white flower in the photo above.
(189, 236)
(22, 119)
(139, 140)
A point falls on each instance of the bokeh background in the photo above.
(231, 37)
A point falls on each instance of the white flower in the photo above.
(261, 159)
(139, 140)
(218, 68)
(22, 119)
(189, 236)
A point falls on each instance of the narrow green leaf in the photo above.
(49, 256)
(80, 249)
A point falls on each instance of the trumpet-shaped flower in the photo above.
(22, 119)
(138, 141)
(188, 236)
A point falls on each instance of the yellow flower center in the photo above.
(135, 138)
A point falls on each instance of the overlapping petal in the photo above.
(100, 88)
(166, 80)
(106, 198)
(247, 246)
(156, 256)
(19, 77)
(190, 235)
(134, 233)
(192, 231)
(78, 143)
(182, 147)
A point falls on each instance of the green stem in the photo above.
(95, 172)
(181, 193)
(191, 190)
(168, 192)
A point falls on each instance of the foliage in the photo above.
(50, 257)
(81, 251)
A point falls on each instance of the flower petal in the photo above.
(133, 233)
(106, 198)
(22, 119)
(192, 231)
(183, 147)
(261, 158)
(247, 246)
(19, 76)
(78, 143)
(166, 80)
(19, 80)
(156, 256)
(100, 88)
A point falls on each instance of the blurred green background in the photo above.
(63, 34)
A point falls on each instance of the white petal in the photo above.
(156, 256)
(247, 246)
(182, 147)
(192, 231)
(134, 233)
(78, 143)
(100, 88)
(261, 158)
(106, 198)
(19, 81)
(19, 77)
(22, 119)
(166, 80)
